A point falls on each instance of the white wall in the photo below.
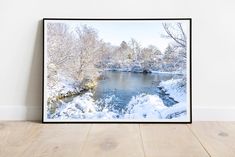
(213, 49)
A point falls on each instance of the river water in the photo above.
(124, 85)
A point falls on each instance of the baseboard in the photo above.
(213, 113)
(18, 112)
(200, 113)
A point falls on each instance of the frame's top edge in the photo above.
(188, 18)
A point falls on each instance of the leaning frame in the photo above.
(59, 102)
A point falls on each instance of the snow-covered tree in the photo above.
(176, 53)
(86, 52)
(136, 49)
(178, 35)
(60, 45)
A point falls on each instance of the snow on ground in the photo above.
(84, 107)
(152, 107)
(173, 88)
(63, 87)
(177, 111)
(118, 69)
(165, 72)
(141, 71)
(143, 106)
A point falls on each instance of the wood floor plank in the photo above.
(27, 139)
(217, 137)
(16, 137)
(113, 140)
(168, 140)
(59, 140)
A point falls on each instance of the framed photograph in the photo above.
(117, 70)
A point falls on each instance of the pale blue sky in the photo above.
(148, 32)
(144, 32)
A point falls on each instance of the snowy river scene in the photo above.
(96, 74)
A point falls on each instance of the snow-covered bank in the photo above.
(143, 106)
(166, 72)
(174, 89)
(118, 69)
(84, 107)
(152, 107)
(62, 86)
(67, 87)
(143, 71)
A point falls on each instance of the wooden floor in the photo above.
(200, 139)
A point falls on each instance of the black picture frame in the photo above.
(122, 19)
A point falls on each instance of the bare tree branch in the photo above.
(180, 41)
